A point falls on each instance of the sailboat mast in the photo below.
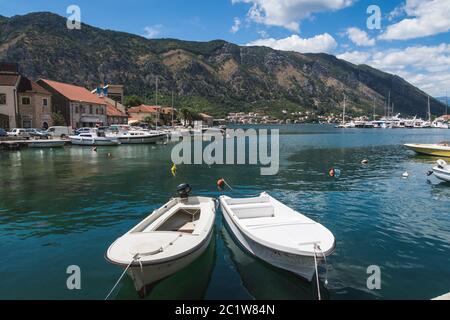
(172, 110)
(446, 103)
(343, 114)
(389, 103)
(156, 103)
(374, 108)
(429, 110)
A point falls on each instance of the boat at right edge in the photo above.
(438, 149)
(277, 234)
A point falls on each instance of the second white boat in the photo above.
(277, 234)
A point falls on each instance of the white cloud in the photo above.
(152, 31)
(356, 57)
(427, 67)
(360, 37)
(236, 25)
(288, 13)
(320, 43)
(425, 18)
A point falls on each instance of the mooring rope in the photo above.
(136, 257)
(317, 273)
(326, 265)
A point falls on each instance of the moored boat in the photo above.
(442, 171)
(166, 241)
(93, 139)
(440, 149)
(277, 234)
(46, 143)
(138, 136)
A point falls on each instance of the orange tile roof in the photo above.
(144, 109)
(112, 111)
(74, 93)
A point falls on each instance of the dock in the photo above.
(13, 144)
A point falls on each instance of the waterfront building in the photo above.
(78, 106)
(144, 112)
(34, 105)
(9, 108)
(113, 92)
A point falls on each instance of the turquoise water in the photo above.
(65, 207)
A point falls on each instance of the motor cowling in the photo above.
(441, 164)
(183, 190)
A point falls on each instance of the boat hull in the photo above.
(94, 142)
(46, 144)
(442, 174)
(143, 140)
(149, 274)
(430, 150)
(302, 266)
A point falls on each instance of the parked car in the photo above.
(3, 132)
(19, 132)
(38, 133)
(60, 132)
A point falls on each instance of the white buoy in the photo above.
(405, 175)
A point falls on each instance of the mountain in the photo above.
(215, 77)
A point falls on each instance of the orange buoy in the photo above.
(220, 183)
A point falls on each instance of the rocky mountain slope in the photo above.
(215, 76)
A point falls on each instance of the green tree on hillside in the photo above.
(132, 101)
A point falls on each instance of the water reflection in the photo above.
(264, 281)
(189, 283)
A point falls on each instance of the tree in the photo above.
(132, 101)
(58, 119)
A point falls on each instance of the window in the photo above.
(101, 110)
(26, 101)
(45, 102)
(90, 109)
(2, 98)
(76, 109)
(96, 110)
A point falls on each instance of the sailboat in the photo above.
(427, 124)
(343, 123)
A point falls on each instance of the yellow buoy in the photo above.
(174, 170)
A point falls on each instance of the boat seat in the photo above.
(188, 227)
(241, 201)
(253, 210)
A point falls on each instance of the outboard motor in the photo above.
(183, 190)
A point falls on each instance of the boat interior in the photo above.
(251, 208)
(182, 220)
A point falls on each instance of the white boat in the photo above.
(166, 241)
(46, 143)
(442, 171)
(93, 139)
(277, 234)
(132, 136)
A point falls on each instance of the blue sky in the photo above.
(413, 41)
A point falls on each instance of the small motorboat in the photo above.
(93, 139)
(46, 143)
(439, 149)
(277, 234)
(166, 241)
(442, 170)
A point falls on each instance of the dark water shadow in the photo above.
(189, 283)
(265, 282)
